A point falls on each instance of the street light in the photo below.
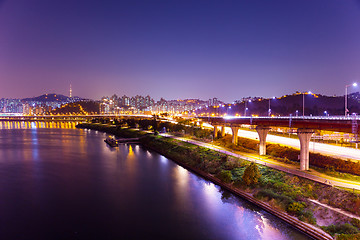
(227, 110)
(346, 87)
(269, 112)
(309, 92)
(245, 109)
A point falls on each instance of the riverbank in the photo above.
(304, 227)
(273, 193)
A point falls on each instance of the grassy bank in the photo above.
(284, 192)
(113, 129)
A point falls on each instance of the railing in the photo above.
(350, 118)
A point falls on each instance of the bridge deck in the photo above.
(338, 124)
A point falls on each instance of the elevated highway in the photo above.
(305, 127)
(336, 124)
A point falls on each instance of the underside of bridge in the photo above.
(305, 129)
(304, 135)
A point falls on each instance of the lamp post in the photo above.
(245, 109)
(309, 92)
(269, 112)
(227, 110)
(346, 87)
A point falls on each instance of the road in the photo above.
(267, 161)
(325, 149)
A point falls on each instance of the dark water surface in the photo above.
(68, 184)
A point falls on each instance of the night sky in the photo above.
(178, 49)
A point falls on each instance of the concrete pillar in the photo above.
(304, 137)
(235, 131)
(223, 131)
(262, 131)
(215, 131)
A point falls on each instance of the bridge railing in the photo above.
(288, 117)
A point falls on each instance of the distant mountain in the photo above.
(52, 98)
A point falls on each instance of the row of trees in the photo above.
(157, 125)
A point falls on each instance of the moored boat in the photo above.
(111, 141)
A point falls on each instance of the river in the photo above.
(68, 184)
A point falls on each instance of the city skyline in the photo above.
(174, 50)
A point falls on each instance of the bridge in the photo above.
(68, 117)
(305, 126)
(57, 121)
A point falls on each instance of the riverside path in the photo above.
(267, 161)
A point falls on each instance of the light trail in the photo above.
(316, 147)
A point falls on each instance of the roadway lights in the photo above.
(346, 93)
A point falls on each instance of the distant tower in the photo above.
(70, 91)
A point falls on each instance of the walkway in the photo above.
(267, 161)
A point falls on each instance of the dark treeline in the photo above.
(81, 107)
(156, 125)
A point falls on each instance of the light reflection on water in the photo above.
(37, 124)
(68, 183)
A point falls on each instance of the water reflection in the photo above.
(37, 124)
(121, 193)
(130, 151)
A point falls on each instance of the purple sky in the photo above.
(178, 48)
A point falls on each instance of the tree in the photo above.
(251, 174)
(225, 176)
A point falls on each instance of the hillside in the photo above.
(82, 107)
(47, 98)
(52, 97)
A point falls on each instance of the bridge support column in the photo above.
(304, 137)
(215, 131)
(235, 131)
(223, 131)
(262, 131)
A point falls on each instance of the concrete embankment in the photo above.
(308, 229)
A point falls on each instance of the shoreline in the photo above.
(305, 228)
